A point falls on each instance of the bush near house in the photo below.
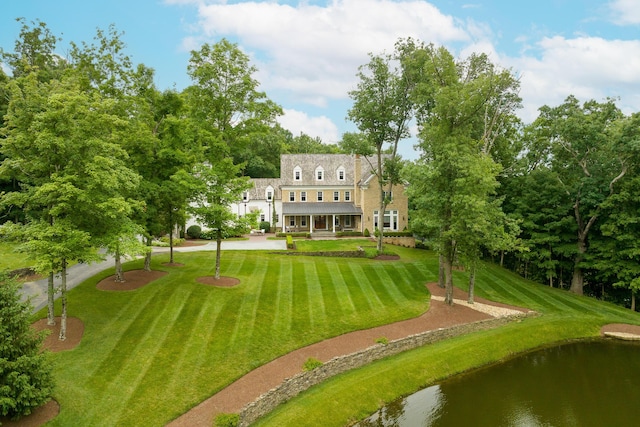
(264, 225)
(194, 231)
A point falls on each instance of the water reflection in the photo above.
(580, 384)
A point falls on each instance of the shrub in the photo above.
(289, 242)
(311, 363)
(25, 371)
(382, 340)
(194, 231)
(264, 225)
(366, 232)
(226, 420)
(348, 233)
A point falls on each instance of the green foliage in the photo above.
(226, 420)
(382, 340)
(366, 232)
(348, 234)
(311, 363)
(290, 244)
(26, 380)
(194, 231)
(265, 225)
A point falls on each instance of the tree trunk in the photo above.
(577, 280)
(501, 258)
(633, 300)
(147, 258)
(171, 246)
(63, 300)
(51, 316)
(218, 245)
(472, 283)
(448, 298)
(441, 271)
(119, 273)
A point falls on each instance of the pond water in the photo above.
(593, 383)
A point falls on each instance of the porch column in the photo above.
(333, 223)
(310, 224)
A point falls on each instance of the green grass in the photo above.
(12, 260)
(151, 354)
(356, 394)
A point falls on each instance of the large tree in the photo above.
(464, 108)
(226, 111)
(588, 160)
(382, 109)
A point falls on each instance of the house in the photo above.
(324, 193)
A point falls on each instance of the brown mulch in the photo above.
(249, 387)
(387, 257)
(223, 281)
(41, 415)
(133, 279)
(75, 330)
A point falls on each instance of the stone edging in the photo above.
(295, 385)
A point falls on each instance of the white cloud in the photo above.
(625, 12)
(314, 51)
(587, 67)
(299, 122)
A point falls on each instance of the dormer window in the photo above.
(268, 194)
(245, 196)
(319, 173)
(340, 173)
(297, 173)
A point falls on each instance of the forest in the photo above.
(94, 155)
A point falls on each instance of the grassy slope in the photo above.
(356, 394)
(151, 354)
(10, 259)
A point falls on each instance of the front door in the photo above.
(320, 222)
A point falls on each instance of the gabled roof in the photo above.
(308, 164)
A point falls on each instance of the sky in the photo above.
(308, 52)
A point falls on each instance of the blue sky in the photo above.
(308, 52)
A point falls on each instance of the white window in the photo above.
(245, 196)
(388, 195)
(268, 193)
(347, 196)
(297, 173)
(336, 196)
(319, 173)
(303, 221)
(319, 196)
(261, 217)
(292, 221)
(303, 196)
(292, 196)
(340, 173)
(347, 221)
(390, 221)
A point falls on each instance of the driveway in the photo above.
(36, 291)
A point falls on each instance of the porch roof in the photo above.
(323, 208)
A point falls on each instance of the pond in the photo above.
(594, 383)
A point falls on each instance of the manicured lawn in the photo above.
(12, 260)
(151, 354)
(356, 394)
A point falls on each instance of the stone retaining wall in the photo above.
(295, 385)
(406, 241)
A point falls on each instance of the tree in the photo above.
(225, 111)
(26, 379)
(463, 109)
(588, 161)
(382, 110)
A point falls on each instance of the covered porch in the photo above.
(324, 217)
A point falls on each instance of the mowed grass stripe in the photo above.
(341, 289)
(358, 298)
(326, 269)
(301, 320)
(390, 284)
(368, 291)
(317, 311)
(246, 316)
(233, 263)
(283, 315)
(153, 332)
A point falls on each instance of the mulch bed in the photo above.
(621, 327)
(75, 330)
(387, 257)
(40, 416)
(133, 279)
(222, 282)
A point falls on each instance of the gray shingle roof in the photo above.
(325, 208)
(308, 164)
